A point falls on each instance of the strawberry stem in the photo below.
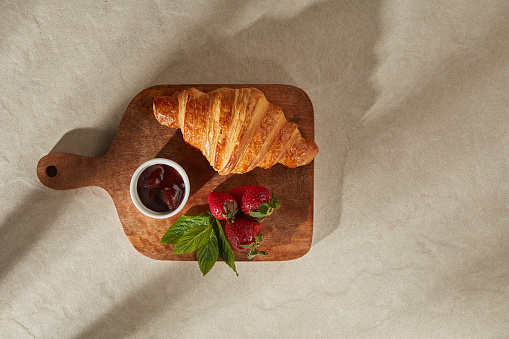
(230, 211)
(253, 247)
(265, 209)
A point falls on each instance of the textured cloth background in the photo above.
(411, 235)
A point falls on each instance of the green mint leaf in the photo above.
(207, 254)
(225, 251)
(184, 224)
(193, 239)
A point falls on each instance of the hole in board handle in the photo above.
(51, 171)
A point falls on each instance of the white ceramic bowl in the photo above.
(134, 192)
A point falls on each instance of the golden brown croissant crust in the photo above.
(235, 129)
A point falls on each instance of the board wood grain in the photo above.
(287, 232)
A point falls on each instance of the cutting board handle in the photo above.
(64, 171)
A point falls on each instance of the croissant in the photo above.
(235, 129)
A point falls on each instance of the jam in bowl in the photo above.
(159, 188)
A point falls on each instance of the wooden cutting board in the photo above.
(287, 232)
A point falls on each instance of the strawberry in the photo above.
(244, 235)
(256, 201)
(222, 205)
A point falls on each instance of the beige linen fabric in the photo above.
(411, 232)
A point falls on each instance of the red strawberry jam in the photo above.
(161, 188)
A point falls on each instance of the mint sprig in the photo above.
(202, 233)
(195, 238)
(207, 254)
(225, 250)
(182, 225)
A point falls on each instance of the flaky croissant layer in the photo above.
(235, 129)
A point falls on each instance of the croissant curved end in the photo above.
(166, 111)
(300, 153)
